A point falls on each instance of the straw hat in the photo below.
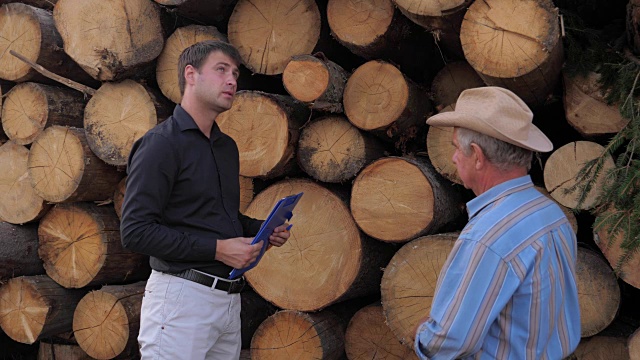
(496, 112)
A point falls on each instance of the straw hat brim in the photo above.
(536, 140)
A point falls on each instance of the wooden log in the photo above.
(19, 202)
(11, 349)
(633, 344)
(182, 38)
(601, 348)
(80, 246)
(53, 351)
(268, 34)
(380, 99)
(369, 29)
(42, 4)
(118, 115)
(452, 80)
(30, 107)
(598, 292)
(254, 310)
(442, 18)
(118, 196)
(524, 56)
(106, 322)
(62, 167)
(309, 336)
(409, 283)
(245, 354)
(586, 108)
(567, 212)
(31, 32)
(625, 263)
(19, 251)
(202, 11)
(332, 150)
(369, 337)
(440, 149)
(562, 168)
(34, 307)
(633, 32)
(266, 128)
(326, 260)
(315, 80)
(246, 192)
(110, 40)
(403, 190)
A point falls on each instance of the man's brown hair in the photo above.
(196, 54)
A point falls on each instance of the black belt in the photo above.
(230, 286)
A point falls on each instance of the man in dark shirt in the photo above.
(181, 208)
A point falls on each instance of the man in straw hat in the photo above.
(508, 288)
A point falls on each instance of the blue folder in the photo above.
(281, 213)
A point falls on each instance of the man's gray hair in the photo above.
(503, 155)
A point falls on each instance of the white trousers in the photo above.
(181, 319)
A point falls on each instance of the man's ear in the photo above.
(189, 74)
(480, 159)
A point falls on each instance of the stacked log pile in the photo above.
(333, 98)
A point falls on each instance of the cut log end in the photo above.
(115, 117)
(20, 32)
(51, 179)
(359, 22)
(375, 95)
(167, 68)
(389, 192)
(440, 149)
(23, 311)
(624, 263)
(25, 113)
(453, 79)
(601, 348)
(19, 203)
(267, 36)
(306, 79)
(430, 8)
(562, 168)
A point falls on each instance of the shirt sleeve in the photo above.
(152, 170)
(472, 291)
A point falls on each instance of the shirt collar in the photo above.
(497, 192)
(186, 122)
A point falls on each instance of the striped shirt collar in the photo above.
(497, 192)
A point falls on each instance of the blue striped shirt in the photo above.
(508, 288)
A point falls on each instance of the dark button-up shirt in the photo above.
(182, 196)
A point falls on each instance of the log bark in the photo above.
(118, 196)
(332, 150)
(80, 246)
(370, 29)
(182, 38)
(266, 128)
(407, 191)
(63, 168)
(561, 170)
(267, 37)
(246, 193)
(409, 283)
(110, 40)
(202, 11)
(254, 311)
(601, 348)
(625, 264)
(441, 18)
(34, 307)
(118, 115)
(380, 99)
(633, 344)
(586, 108)
(106, 322)
(316, 81)
(523, 56)
(451, 80)
(42, 4)
(369, 337)
(309, 336)
(30, 107)
(598, 292)
(52, 351)
(31, 32)
(19, 202)
(19, 251)
(633, 30)
(326, 260)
